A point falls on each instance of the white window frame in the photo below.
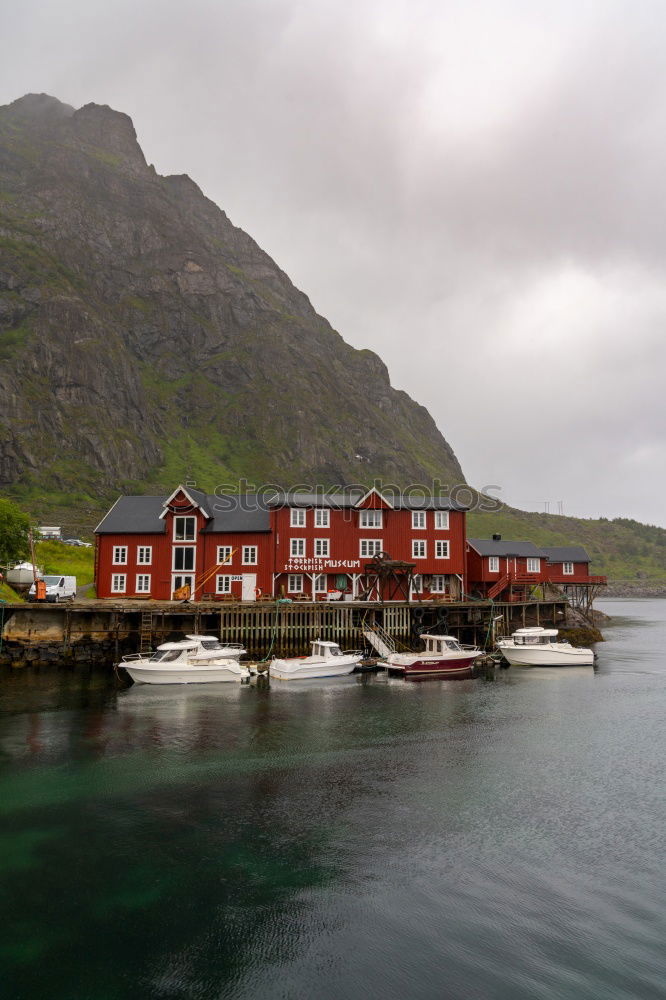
(141, 558)
(292, 588)
(369, 547)
(250, 555)
(296, 544)
(533, 564)
(184, 517)
(298, 517)
(419, 548)
(322, 517)
(493, 564)
(419, 520)
(119, 560)
(225, 554)
(371, 519)
(223, 583)
(441, 520)
(322, 548)
(417, 583)
(442, 548)
(181, 570)
(319, 586)
(438, 584)
(568, 568)
(140, 577)
(118, 583)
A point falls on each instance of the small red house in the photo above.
(567, 564)
(496, 565)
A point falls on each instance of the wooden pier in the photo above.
(105, 630)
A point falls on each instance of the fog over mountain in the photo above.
(471, 190)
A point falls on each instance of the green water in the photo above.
(355, 838)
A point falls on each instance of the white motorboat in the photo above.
(326, 660)
(539, 647)
(194, 660)
(22, 574)
(443, 656)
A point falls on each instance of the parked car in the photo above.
(76, 541)
(58, 588)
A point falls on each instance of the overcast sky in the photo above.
(475, 190)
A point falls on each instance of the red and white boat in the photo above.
(443, 656)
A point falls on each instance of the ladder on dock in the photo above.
(146, 632)
(379, 639)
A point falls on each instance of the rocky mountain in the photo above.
(145, 339)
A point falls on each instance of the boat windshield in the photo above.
(452, 644)
(166, 655)
(532, 640)
(211, 644)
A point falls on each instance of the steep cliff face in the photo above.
(144, 339)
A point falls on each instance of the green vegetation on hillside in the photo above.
(9, 595)
(621, 549)
(68, 560)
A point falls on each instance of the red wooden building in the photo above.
(496, 566)
(345, 545)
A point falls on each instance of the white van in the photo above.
(58, 588)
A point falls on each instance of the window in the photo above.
(418, 519)
(438, 585)
(370, 547)
(184, 529)
(144, 555)
(223, 585)
(567, 568)
(370, 519)
(493, 564)
(295, 583)
(120, 555)
(183, 557)
(320, 584)
(249, 555)
(418, 548)
(143, 583)
(417, 583)
(442, 520)
(322, 547)
(298, 516)
(322, 516)
(297, 547)
(533, 565)
(441, 549)
(118, 583)
(224, 554)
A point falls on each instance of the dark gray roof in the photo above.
(489, 547)
(231, 513)
(133, 515)
(350, 498)
(565, 553)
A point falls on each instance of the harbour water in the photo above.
(358, 838)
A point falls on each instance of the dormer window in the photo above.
(184, 529)
(370, 518)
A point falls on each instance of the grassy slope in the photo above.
(8, 595)
(621, 549)
(54, 558)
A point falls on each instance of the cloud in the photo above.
(473, 190)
